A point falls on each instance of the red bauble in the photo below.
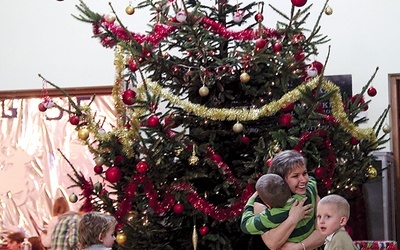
(42, 107)
(286, 120)
(128, 97)
(113, 174)
(320, 173)
(203, 230)
(259, 17)
(260, 43)
(245, 139)
(372, 91)
(74, 120)
(178, 208)
(98, 169)
(353, 141)
(119, 159)
(268, 162)
(299, 56)
(319, 66)
(277, 47)
(142, 167)
(132, 66)
(299, 3)
(288, 108)
(153, 121)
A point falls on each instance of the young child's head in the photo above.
(333, 212)
(14, 240)
(291, 166)
(96, 228)
(273, 190)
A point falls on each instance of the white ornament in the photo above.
(203, 91)
(238, 16)
(99, 161)
(238, 127)
(312, 71)
(49, 104)
(102, 131)
(181, 16)
(110, 17)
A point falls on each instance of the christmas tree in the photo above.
(204, 103)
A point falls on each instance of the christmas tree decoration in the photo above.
(74, 120)
(204, 149)
(203, 230)
(99, 160)
(110, 17)
(73, 198)
(128, 97)
(328, 10)
(113, 174)
(372, 91)
(181, 16)
(83, 133)
(121, 238)
(299, 3)
(237, 127)
(98, 187)
(98, 169)
(372, 173)
(130, 10)
(238, 16)
(354, 141)
(204, 91)
(386, 129)
(153, 121)
(244, 77)
(42, 107)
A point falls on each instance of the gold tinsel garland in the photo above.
(219, 114)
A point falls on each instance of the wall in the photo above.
(42, 37)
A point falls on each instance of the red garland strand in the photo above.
(161, 31)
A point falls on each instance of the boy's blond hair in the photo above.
(91, 226)
(342, 205)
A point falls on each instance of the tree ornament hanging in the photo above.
(195, 238)
(74, 120)
(110, 17)
(277, 47)
(312, 71)
(142, 167)
(121, 238)
(328, 10)
(153, 121)
(299, 3)
(73, 198)
(178, 208)
(204, 91)
(386, 129)
(83, 133)
(113, 174)
(268, 162)
(203, 230)
(259, 17)
(97, 187)
(238, 16)
(129, 9)
(244, 77)
(372, 173)
(193, 159)
(237, 127)
(99, 160)
(181, 16)
(353, 141)
(318, 65)
(128, 97)
(285, 120)
(98, 169)
(245, 139)
(42, 107)
(372, 91)
(260, 43)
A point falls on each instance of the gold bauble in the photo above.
(328, 10)
(120, 238)
(193, 160)
(99, 161)
(386, 129)
(73, 198)
(83, 133)
(244, 77)
(372, 173)
(203, 91)
(129, 10)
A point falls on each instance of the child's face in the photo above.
(13, 245)
(329, 219)
(108, 238)
(298, 180)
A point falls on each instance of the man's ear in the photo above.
(343, 221)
